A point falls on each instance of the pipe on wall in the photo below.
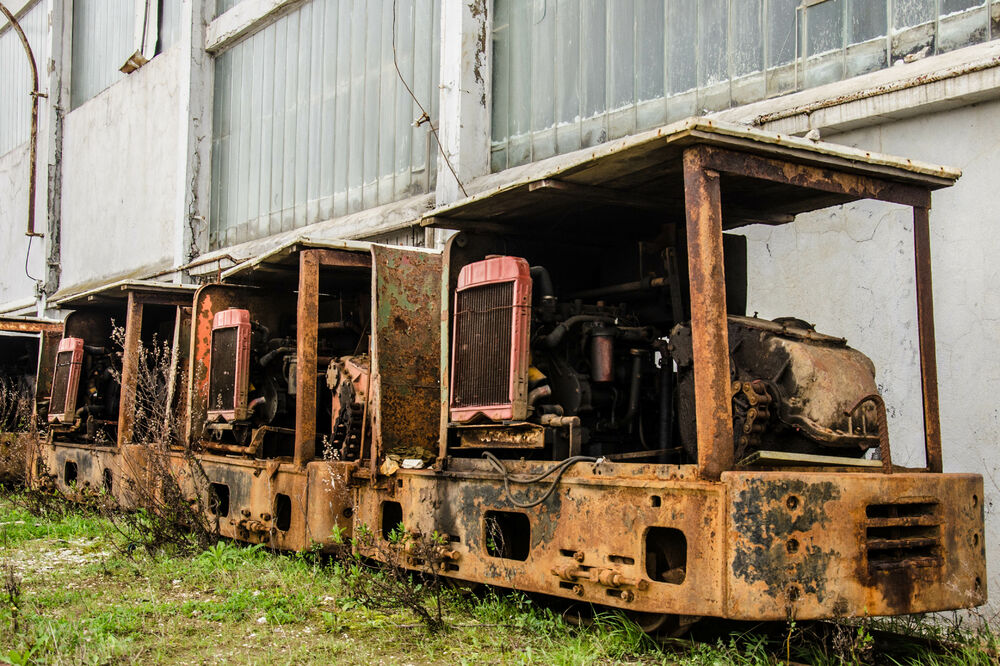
(35, 94)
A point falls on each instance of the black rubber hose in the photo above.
(559, 332)
(270, 356)
(559, 469)
(542, 281)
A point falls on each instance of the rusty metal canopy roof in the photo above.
(284, 260)
(642, 175)
(116, 293)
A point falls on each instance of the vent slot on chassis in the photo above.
(902, 535)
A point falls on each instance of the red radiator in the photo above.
(489, 362)
(66, 380)
(229, 365)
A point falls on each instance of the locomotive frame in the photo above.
(773, 539)
(794, 540)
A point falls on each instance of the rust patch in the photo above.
(768, 514)
(406, 342)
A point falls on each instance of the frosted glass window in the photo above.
(570, 74)
(867, 20)
(223, 6)
(747, 48)
(906, 13)
(824, 27)
(781, 30)
(311, 121)
(15, 74)
(952, 6)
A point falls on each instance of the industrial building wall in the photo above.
(15, 286)
(16, 264)
(119, 182)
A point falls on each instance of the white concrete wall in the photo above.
(120, 181)
(849, 270)
(15, 287)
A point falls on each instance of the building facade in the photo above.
(241, 123)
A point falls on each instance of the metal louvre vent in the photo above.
(222, 380)
(902, 535)
(60, 382)
(483, 329)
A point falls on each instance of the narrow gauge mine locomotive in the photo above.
(615, 430)
(27, 352)
(574, 397)
(90, 437)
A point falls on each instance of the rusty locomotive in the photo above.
(571, 393)
(27, 352)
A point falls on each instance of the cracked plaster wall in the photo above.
(14, 284)
(849, 270)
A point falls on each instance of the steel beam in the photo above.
(813, 177)
(627, 199)
(709, 325)
(29, 326)
(342, 258)
(130, 370)
(925, 328)
(307, 340)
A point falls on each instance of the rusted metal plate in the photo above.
(514, 436)
(756, 545)
(811, 545)
(282, 505)
(588, 542)
(406, 344)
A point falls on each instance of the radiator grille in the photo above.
(60, 382)
(483, 325)
(902, 535)
(222, 380)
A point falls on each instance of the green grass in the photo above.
(85, 600)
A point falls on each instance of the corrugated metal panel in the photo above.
(15, 75)
(102, 39)
(170, 24)
(311, 121)
(574, 73)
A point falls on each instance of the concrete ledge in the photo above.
(362, 224)
(245, 18)
(959, 78)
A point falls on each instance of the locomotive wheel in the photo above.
(664, 625)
